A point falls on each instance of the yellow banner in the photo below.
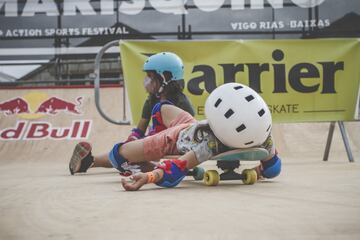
(301, 80)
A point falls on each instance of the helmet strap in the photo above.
(164, 83)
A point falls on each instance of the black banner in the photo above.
(45, 28)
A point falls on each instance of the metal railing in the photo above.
(96, 76)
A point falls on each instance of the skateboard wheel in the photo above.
(211, 178)
(198, 173)
(250, 176)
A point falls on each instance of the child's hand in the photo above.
(136, 134)
(137, 181)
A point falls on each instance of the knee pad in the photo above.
(174, 171)
(157, 122)
(271, 168)
(116, 159)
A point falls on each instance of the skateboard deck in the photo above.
(250, 154)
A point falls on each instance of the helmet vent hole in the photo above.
(238, 87)
(229, 113)
(218, 102)
(249, 98)
(240, 128)
(249, 142)
(268, 128)
(261, 112)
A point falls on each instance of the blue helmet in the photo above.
(165, 62)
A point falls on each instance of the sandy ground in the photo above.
(311, 199)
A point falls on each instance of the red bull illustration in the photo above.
(35, 105)
(14, 106)
(54, 105)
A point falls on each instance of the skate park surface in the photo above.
(311, 199)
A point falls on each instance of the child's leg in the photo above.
(163, 143)
(134, 152)
(170, 116)
(128, 151)
(102, 161)
(82, 159)
(124, 155)
(131, 151)
(128, 157)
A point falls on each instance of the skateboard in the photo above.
(228, 162)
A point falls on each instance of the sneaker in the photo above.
(81, 159)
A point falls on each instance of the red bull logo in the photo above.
(54, 105)
(14, 106)
(36, 105)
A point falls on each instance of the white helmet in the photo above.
(238, 116)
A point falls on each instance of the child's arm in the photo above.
(140, 179)
(157, 175)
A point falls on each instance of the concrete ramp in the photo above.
(55, 120)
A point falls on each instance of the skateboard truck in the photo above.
(230, 160)
(228, 167)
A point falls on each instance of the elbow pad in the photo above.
(271, 168)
